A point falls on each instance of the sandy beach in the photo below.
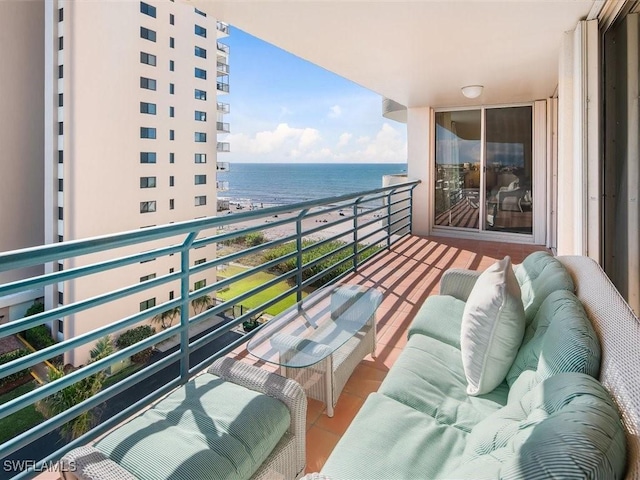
(315, 219)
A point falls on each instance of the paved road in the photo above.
(52, 441)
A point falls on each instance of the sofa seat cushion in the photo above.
(208, 428)
(428, 377)
(560, 339)
(566, 427)
(439, 317)
(538, 275)
(390, 440)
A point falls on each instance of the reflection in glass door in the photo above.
(484, 169)
(457, 173)
(508, 172)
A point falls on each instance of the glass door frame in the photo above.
(540, 156)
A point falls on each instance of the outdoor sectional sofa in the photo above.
(550, 417)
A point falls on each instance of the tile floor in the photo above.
(406, 275)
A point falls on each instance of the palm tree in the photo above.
(201, 303)
(166, 318)
(70, 396)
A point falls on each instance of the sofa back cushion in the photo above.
(565, 427)
(539, 275)
(559, 339)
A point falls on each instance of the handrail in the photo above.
(363, 236)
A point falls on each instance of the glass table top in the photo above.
(316, 327)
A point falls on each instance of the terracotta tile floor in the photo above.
(406, 275)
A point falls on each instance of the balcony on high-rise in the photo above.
(222, 127)
(223, 147)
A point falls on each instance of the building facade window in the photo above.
(171, 295)
(200, 137)
(148, 59)
(147, 277)
(60, 185)
(172, 19)
(147, 132)
(172, 88)
(200, 31)
(60, 71)
(200, 52)
(200, 158)
(148, 207)
(172, 42)
(200, 94)
(147, 157)
(172, 65)
(148, 83)
(60, 156)
(147, 304)
(199, 284)
(200, 179)
(60, 43)
(147, 182)
(60, 99)
(200, 200)
(172, 157)
(60, 14)
(200, 116)
(60, 298)
(172, 112)
(60, 213)
(148, 9)
(60, 239)
(172, 134)
(172, 181)
(200, 73)
(172, 204)
(149, 108)
(147, 34)
(60, 128)
(200, 12)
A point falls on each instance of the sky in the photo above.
(285, 109)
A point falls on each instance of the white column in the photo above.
(419, 162)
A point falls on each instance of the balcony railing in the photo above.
(223, 107)
(369, 221)
(223, 166)
(223, 87)
(222, 186)
(223, 48)
(223, 127)
(222, 27)
(223, 147)
(223, 68)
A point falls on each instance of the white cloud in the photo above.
(344, 139)
(335, 111)
(363, 140)
(282, 140)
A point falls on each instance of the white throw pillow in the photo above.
(493, 326)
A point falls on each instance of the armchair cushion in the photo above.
(213, 429)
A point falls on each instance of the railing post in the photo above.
(301, 215)
(355, 233)
(184, 306)
(389, 220)
(411, 210)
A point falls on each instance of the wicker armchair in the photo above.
(287, 460)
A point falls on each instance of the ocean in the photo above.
(287, 183)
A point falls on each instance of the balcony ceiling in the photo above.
(419, 53)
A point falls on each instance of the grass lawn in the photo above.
(21, 421)
(261, 297)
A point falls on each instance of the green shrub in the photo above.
(247, 240)
(39, 337)
(314, 253)
(37, 307)
(135, 335)
(9, 357)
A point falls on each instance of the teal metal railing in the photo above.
(364, 222)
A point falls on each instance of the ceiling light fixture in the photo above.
(472, 91)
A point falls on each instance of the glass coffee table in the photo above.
(319, 341)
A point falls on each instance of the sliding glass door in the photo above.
(484, 169)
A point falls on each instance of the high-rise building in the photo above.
(129, 138)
